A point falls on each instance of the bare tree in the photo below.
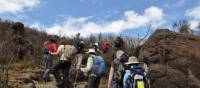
(183, 26)
(140, 40)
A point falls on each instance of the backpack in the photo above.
(69, 51)
(98, 67)
(46, 49)
(119, 66)
(80, 47)
(137, 77)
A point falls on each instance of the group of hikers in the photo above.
(125, 71)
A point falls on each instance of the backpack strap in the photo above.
(64, 52)
(93, 64)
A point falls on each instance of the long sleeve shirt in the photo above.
(89, 64)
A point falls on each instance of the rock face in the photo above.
(174, 59)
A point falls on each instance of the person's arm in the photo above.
(89, 65)
(110, 76)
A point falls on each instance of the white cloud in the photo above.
(130, 20)
(194, 13)
(194, 24)
(38, 26)
(14, 6)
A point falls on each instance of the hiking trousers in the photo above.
(78, 62)
(93, 82)
(48, 64)
(64, 66)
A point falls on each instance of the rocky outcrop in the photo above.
(174, 59)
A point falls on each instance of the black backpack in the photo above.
(46, 49)
(138, 77)
(80, 47)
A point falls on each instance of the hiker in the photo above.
(95, 69)
(105, 46)
(79, 54)
(49, 46)
(117, 65)
(47, 61)
(96, 47)
(135, 74)
(66, 52)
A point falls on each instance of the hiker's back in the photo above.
(118, 64)
(69, 50)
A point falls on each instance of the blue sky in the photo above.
(127, 17)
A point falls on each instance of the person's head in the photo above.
(81, 42)
(119, 42)
(96, 44)
(62, 41)
(52, 40)
(91, 51)
(132, 60)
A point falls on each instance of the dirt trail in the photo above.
(51, 84)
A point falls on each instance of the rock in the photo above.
(29, 85)
(173, 59)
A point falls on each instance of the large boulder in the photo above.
(174, 59)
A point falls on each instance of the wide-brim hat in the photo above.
(91, 51)
(132, 60)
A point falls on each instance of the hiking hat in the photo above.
(90, 51)
(96, 44)
(82, 42)
(132, 60)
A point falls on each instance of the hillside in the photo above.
(173, 59)
(21, 53)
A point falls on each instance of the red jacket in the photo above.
(52, 47)
(106, 45)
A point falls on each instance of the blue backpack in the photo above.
(99, 67)
(137, 78)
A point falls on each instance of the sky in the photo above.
(126, 17)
